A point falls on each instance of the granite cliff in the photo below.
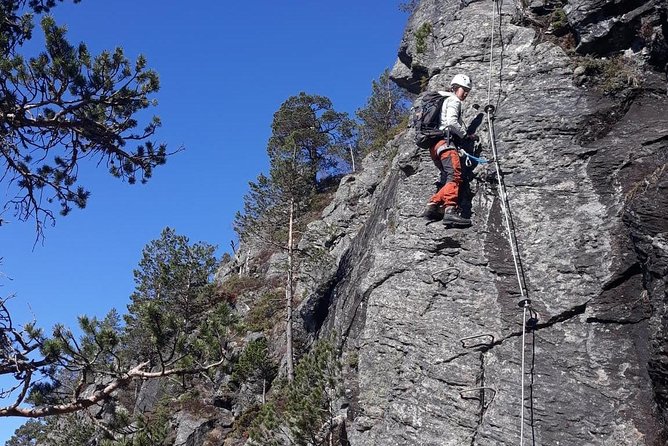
(581, 128)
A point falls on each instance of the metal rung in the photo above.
(479, 389)
(484, 335)
(445, 282)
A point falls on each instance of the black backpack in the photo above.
(426, 118)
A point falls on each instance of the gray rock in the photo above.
(606, 27)
(191, 429)
(586, 180)
(150, 394)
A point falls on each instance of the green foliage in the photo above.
(178, 326)
(421, 35)
(172, 289)
(94, 351)
(147, 430)
(302, 409)
(166, 328)
(66, 105)
(31, 433)
(255, 366)
(384, 115)
(309, 141)
(208, 341)
(67, 430)
(308, 130)
(266, 311)
(269, 428)
(267, 204)
(559, 22)
(100, 338)
(612, 75)
(312, 395)
(258, 202)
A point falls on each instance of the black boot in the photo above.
(452, 219)
(433, 212)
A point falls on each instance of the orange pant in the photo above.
(451, 175)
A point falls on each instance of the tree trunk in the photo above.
(289, 290)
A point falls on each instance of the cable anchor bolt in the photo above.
(532, 322)
(526, 303)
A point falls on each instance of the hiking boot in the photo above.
(433, 212)
(452, 219)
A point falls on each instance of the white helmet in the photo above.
(461, 80)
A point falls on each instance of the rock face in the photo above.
(587, 183)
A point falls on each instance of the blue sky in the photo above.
(224, 71)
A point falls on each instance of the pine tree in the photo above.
(273, 207)
(172, 290)
(292, 181)
(307, 139)
(165, 335)
(258, 219)
(304, 411)
(321, 135)
(29, 434)
(70, 430)
(63, 106)
(255, 366)
(384, 115)
(174, 274)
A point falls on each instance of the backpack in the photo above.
(426, 118)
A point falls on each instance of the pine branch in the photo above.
(99, 395)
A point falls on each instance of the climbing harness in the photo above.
(470, 158)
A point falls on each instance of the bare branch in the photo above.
(103, 394)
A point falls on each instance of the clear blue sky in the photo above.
(225, 68)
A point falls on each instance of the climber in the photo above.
(469, 158)
(446, 156)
